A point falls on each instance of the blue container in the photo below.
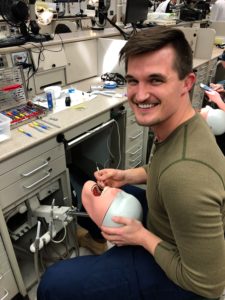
(49, 100)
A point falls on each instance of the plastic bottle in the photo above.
(49, 100)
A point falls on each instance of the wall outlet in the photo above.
(19, 57)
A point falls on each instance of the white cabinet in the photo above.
(30, 171)
(197, 93)
(135, 141)
(212, 70)
(81, 60)
(28, 178)
(49, 64)
(50, 57)
(8, 287)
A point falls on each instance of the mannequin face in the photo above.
(103, 205)
(92, 191)
(97, 201)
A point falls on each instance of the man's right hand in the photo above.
(117, 178)
(110, 177)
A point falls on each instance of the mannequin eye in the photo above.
(96, 191)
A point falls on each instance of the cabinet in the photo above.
(201, 77)
(27, 180)
(50, 67)
(205, 73)
(8, 286)
(135, 141)
(212, 68)
(81, 60)
(28, 172)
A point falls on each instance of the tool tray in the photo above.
(13, 98)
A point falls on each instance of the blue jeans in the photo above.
(120, 273)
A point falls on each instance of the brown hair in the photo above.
(156, 38)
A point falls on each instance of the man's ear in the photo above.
(189, 81)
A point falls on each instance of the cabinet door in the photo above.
(8, 287)
(197, 93)
(26, 185)
(82, 60)
(52, 57)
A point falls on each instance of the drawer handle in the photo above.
(136, 136)
(133, 160)
(6, 294)
(137, 164)
(132, 121)
(38, 168)
(133, 153)
(37, 182)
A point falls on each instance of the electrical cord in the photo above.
(108, 146)
(125, 35)
(64, 235)
(119, 143)
(36, 252)
(41, 57)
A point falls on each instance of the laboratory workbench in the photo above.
(69, 117)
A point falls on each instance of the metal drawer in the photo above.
(26, 185)
(134, 156)
(134, 137)
(4, 262)
(8, 287)
(31, 167)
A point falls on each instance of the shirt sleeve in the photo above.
(195, 259)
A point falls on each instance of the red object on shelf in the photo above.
(10, 87)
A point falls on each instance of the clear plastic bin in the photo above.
(4, 128)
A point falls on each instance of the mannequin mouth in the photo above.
(96, 191)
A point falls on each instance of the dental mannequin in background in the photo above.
(215, 117)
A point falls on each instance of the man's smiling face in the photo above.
(154, 89)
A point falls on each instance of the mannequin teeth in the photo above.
(96, 191)
(104, 189)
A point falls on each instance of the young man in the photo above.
(180, 254)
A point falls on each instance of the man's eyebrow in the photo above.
(150, 76)
(128, 77)
(156, 75)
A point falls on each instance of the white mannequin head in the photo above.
(215, 118)
(103, 205)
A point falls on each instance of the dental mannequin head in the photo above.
(101, 206)
(215, 118)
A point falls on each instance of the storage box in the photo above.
(4, 128)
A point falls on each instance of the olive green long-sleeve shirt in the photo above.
(186, 196)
